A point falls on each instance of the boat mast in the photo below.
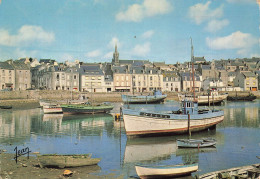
(192, 61)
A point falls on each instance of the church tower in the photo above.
(115, 59)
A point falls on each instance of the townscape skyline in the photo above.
(142, 29)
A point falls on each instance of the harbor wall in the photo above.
(30, 98)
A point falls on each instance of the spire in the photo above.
(116, 47)
(115, 59)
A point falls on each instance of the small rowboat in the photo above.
(196, 143)
(166, 171)
(62, 161)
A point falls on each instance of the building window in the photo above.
(75, 77)
(151, 78)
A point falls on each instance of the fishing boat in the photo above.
(165, 171)
(249, 171)
(249, 97)
(196, 143)
(213, 98)
(189, 118)
(87, 107)
(157, 97)
(186, 120)
(52, 109)
(62, 161)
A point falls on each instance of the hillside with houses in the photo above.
(130, 75)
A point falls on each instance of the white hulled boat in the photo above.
(156, 123)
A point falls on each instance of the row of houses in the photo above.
(130, 75)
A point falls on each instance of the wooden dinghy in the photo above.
(196, 143)
(62, 161)
(250, 171)
(166, 171)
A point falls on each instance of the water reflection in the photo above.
(237, 138)
(164, 151)
(242, 114)
(87, 125)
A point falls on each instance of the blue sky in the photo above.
(158, 30)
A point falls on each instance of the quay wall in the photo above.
(30, 98)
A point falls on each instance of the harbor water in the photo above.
(238, 138)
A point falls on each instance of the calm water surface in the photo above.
(238, 138)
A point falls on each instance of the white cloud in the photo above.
(142, 50)
(26, 35)
(201, 12)
(255, 55)
(216, 25)
(237, 40)
(93, 54)
(148, 34)
(114, 41)
(109, 55)
(149, 8)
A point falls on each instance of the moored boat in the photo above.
(138, 122)
(165, 171)
(250, 171)
(196, 143)
(213, 98)
(62, 161)
(52, 109)
(86, 108)
(157, 97)
(249, 97)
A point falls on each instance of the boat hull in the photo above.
(129, 99)
(205, 100)
(52, 110)
(162, 172)
(241, 98)
(137, 125)
(80, 109)
(193, 143)
(63, 161)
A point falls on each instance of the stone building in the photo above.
(91, 79)
(246, 80)
(187, 82)
(171, 81)
(7, 76)
(22, 75)
(122, 78)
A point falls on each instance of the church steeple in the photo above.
(115, 59)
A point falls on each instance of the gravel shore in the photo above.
(29, 168)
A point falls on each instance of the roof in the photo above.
(19, 65)
(199, 59)
(47, 61)
(169, 74)
(91, 70)
(5, 65)
(248, 74)
(205, 67)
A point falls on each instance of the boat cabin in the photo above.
(189, 107)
